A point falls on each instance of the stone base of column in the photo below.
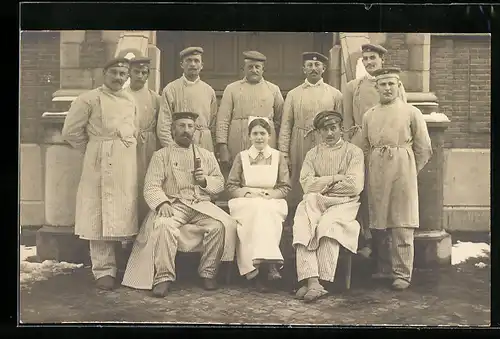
(61, 244)
(432, 249)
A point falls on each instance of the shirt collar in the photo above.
(142, 89)
(190, 82)
(338, 144)
(254, 152)
(308, 84)
(245, 80)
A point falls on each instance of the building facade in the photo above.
(456, 68)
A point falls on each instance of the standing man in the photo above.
(297, 134)
(148, 106)
(359, 96)
(189, 93)
(179, 191)
(397, 145)
(253, 96)
(101, 123)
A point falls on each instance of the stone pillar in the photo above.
(133, 44)
(110, 39)
(334, 68)
(432, 243)
(71, 75)
(154, 53)
(419, 55)
(63, 166)
(351, 51)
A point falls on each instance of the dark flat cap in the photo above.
(254, 55)
(387, 71)
(140, 61)
(184, 115)
(325, 118)
(117, 62)
(314, 56)
(191, 51)
(373, 48)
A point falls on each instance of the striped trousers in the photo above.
(321, 263)
(167, 243)
(102, 256)
(395, 252)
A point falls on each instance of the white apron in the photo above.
(260, 221)
(107, 195)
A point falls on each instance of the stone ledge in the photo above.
(467, 219)
(61, 244)
(432, 249)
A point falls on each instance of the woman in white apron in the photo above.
(257, 185)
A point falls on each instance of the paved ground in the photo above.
(457, 295)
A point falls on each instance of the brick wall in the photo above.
(397, 50)
(39, 68)
(460, 78)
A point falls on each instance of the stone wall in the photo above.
(39, 78)
(83, 54)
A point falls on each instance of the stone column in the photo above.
(334, 68)
(154, 53)
(63, 166)
(71, 75)
(133, 44)
(351, 51)
(419, 55)
(432, 243)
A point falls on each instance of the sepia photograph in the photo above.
(254, 177)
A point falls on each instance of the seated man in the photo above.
(180, 182)
(332, 177)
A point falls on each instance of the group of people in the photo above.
(345, 164)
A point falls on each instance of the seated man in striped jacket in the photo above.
(181, 180)
(332, 178)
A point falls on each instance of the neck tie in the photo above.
(259, 157)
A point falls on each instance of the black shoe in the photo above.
(106, 283)
(160, 290)
(209, 284)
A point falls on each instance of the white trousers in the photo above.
(395, 251)
(102, 255)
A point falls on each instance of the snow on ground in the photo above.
(34, 271)
(462, 251)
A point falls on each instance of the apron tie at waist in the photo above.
(127, 141)
(389, 148)
(141, 136)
